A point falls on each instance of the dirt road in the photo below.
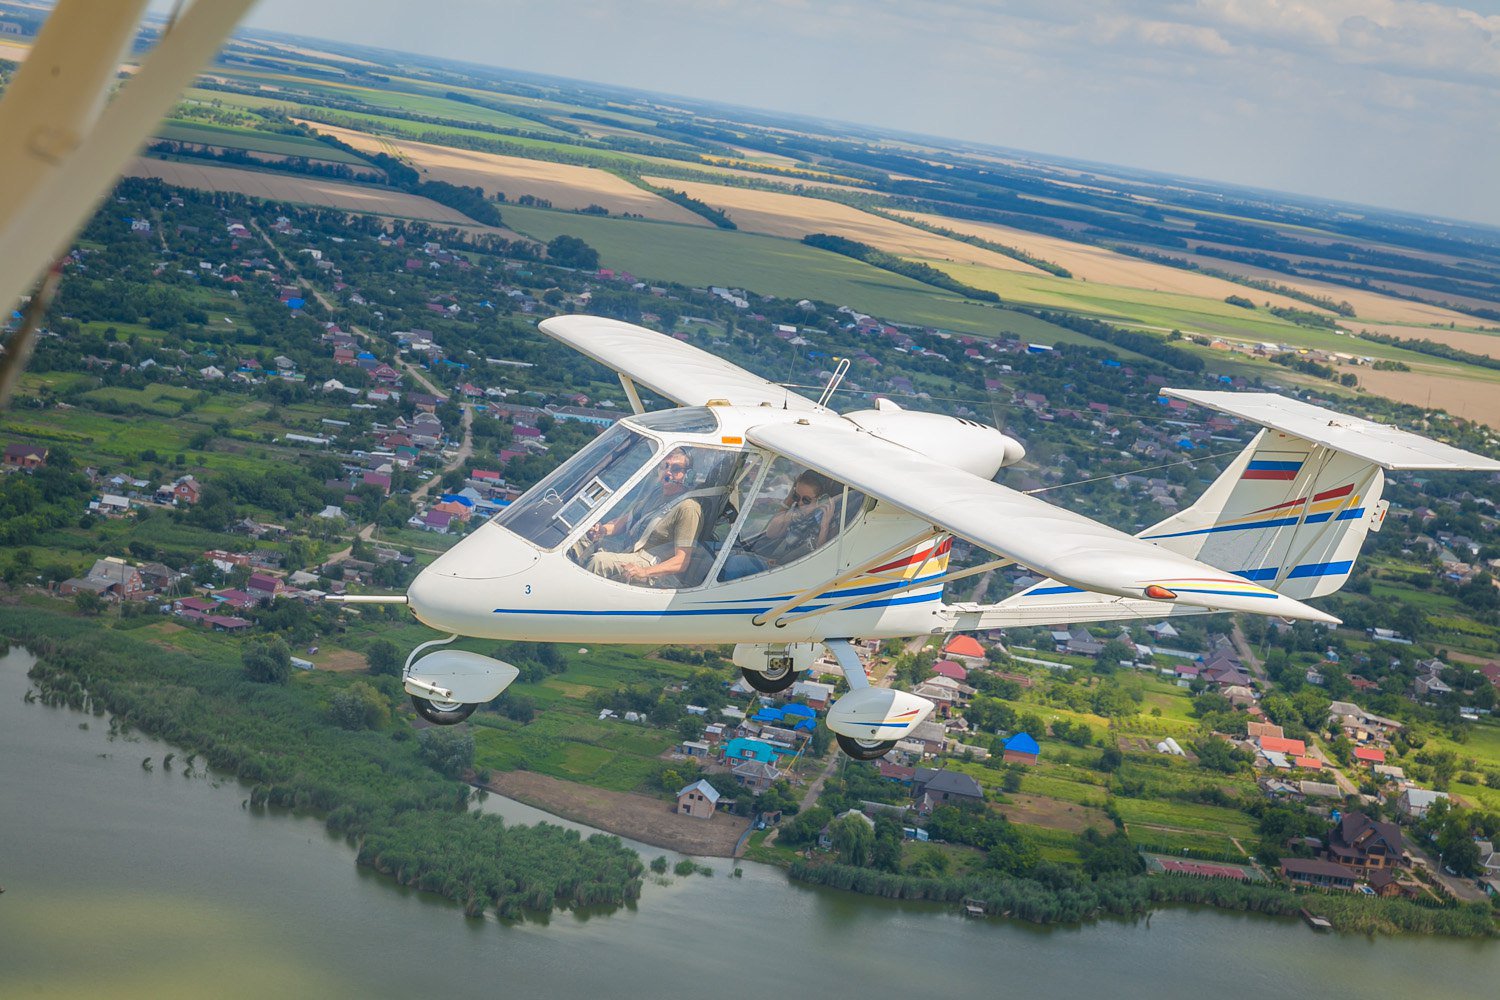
(626, 814)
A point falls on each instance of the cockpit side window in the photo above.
(665, 532)
(579, 488)
(795, 513)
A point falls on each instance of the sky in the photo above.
(1391, 103)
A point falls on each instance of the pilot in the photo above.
(661, 530)
(803, 524)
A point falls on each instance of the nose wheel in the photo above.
(443, 713)
(864, 749)
(782, 676)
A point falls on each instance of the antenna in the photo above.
(834, 381)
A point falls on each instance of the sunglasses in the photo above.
(803, 501)
(674, 471)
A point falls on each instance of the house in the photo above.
(699, 799)
(943, 787)
(1364, 844)
(1256, 730)
(185, 491)
(1415, 802)
(1369, 755)
(950, 669)
(1430, 687)
(108, 577)
(965, 647)
(815, 694)
(743, 748)
(262, 586)
(1022, 748)
(1318, 873)
(25, 456)
(928, 738)
(1283, 745)
(756, 775)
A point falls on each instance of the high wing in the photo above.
(1054, 542)
(670, 368)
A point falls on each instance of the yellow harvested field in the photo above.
(794, 216)
(14, 51)
(1093, 263)
(566, 186)
(1475, 398)
(1474, 343)
(299, 189)
(1367, 305)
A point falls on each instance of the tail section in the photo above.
(1289, 513)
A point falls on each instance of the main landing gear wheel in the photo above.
(443, 713)
(773, 681)
(864, 749)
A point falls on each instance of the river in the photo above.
(133, 883)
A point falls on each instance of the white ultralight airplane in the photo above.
(755, 516)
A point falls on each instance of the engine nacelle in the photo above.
(963, 444)
(878, 714)
(768, 658)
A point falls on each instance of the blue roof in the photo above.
(768, 714)
(797, 710)
(741, 748)
(1022, 743)
(295, 303)
(456, 498)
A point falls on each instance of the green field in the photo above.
(252, 140)
(420, 104)
(695, 255)
(162, 400)
(1188, 816)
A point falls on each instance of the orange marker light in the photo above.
(732, 440)
(1160, 593)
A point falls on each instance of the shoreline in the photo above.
(624, 814)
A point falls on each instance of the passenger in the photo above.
(658, 534)
(802, 526)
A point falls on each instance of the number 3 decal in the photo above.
(528, 588)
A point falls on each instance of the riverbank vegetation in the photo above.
(398, 798)
(1055, 894)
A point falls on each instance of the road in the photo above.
(836, 756)
(466, 446)
(1462, 889)
(1247, 655)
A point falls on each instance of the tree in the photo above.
(1111, 759)
(359, 706)
(267, 661)
(384, 658)
(853, 839)
(570, 251)
(449, 749)
(88, 603)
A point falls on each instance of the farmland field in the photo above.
(296, 189)
(695, 255)
(566, 186)
(252, 140)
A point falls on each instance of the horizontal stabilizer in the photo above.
(1379, 444)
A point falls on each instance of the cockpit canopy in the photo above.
(662, 513)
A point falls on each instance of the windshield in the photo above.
(668, 529)
(578, 488)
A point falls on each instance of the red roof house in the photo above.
(1282, 744)
(964, 645)
(948, 668)
(1370, 755)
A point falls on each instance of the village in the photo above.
(392, 401)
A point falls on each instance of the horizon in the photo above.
(1420, 139)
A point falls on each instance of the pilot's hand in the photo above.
(634, 573)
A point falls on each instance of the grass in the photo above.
(699, 256)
